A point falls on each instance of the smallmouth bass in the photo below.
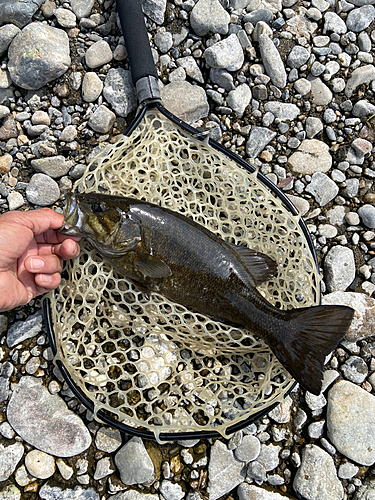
(162, 251)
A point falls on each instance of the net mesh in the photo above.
(151, 363)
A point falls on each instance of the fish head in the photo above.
(100, 219)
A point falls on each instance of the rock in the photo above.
(5, 163)
(363, 108)
(134, 463)
(92, 87)
(8, 129)
(282, 110)
(66, 18)
(316, 478)
(256, 471)
(363, 323)
(4, 111)
(269, 456)
(119, 91)
(7, 33)
(366, 491)
(10, 492)
(333, 22)
(302, 87)
(103, 469)
(164, 41)
(350, 416)
(322, 188)
(102, 120)
(281, 413)
(42, 190)
(107, 439)
(298, 56)
(31, 69)
(9, 458)
(251, 492)
(68, 134)
(311, 157)
(82, 8)
(227, 54)
(18, 13)
(40, 464)
(222, 78)
(209, 15)
(155, 9)
(6, 372)
(339, 268)
(258, 139)
(248, 450)
(239, 99)
(44, 421)
(257, 15)
(347, 470)
(98, 54)
(313, 127)
(171, 491)
(272, 61)
(191, 68)
(367, 215)
(192, 108)
(53, 166)
(225, 472)
(26, 329)
(321, 95)
(48, 492)
(360, 76)
(15, 200)
(355, 369)
(359, 19)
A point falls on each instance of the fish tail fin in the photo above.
(310, 334)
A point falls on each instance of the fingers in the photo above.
(47, 282)
(46, 264)
(39, 221)
(68, 249)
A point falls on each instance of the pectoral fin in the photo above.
(150, 266)
(260, 267)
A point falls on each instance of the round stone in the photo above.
(248, 450)
(367, 215)
(42, 190)
(40, 464)
(98, 54)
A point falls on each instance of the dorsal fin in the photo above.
(260, 267)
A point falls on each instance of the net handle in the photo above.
(141, 61)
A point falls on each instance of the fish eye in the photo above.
(97, 208)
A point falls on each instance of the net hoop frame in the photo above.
(47, 312)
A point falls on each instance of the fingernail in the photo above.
(45, 278)
(36, 264)
(75, 250)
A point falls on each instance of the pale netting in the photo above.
(151, 363)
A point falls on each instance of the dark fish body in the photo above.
(165, 252)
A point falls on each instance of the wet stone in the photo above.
(45, 422)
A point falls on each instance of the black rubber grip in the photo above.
(136, 39)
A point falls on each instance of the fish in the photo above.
(163, 251)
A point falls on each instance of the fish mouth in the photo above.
(73, 217)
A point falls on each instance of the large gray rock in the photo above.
(351, 422)
(44, 421)
(42, 190)
(339, 268)
(359, 19)
(321, 94)
(134, 463)
(225, 472)
(272, 61)
(363, 322)
(192, 107)
(155, 9)
(367, 215)
(82, 8)
(119, 91)
(18, 12)
(38, 55)
(285, 111)
(209, 15)
(316, 478)
(54, 166)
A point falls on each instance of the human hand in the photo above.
(31, 254)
